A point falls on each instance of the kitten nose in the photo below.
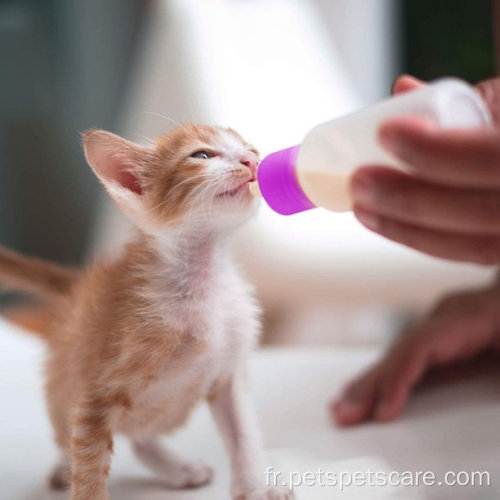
(250, 160)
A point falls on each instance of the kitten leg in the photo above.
(172, 469)
(59, 479)
(235, 418)
(91, 446)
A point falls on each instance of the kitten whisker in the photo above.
(163, 116)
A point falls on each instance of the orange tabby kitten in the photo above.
(138, 341)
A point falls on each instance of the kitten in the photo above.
(138, 341)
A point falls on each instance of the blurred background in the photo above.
(272, 69)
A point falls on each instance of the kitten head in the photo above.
(192, 173)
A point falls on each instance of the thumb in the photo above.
(490, 92)
(405, 83)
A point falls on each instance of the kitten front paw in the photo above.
(266, 494)
(189, 475)
(59, 479)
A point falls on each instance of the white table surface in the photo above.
(447, 427)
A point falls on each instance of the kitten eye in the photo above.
(204, 155)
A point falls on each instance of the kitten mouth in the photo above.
(233, 192)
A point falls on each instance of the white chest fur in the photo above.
(217, 307)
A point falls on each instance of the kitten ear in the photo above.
(115, 161)
(118, 164)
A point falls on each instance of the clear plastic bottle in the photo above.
(317, 173)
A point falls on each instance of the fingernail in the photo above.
(371, 221)
(362, 191)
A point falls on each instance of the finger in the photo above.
(346, 412)
(483, 250)
(468, 158)
(406, 199)
(405, 83)
(490, 92)
(405, 368)
(356, 403)
(436, 341)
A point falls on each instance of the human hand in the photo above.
(448, 204)
(460, 327)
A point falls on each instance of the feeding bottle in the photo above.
(317, 172)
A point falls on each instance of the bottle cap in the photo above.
(278, 183)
